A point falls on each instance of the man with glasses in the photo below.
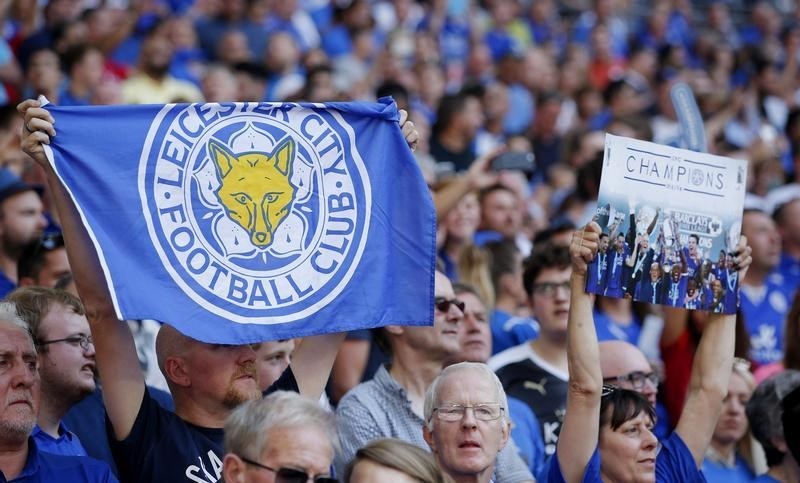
(392, 403)
(536, 371)
(466, 421)
(282, 438)
(22, 457)
(625, 365)
(61, 333)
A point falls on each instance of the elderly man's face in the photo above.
(306, 449)
(19, 385)
(468, 446)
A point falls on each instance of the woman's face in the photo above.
(628, 454)
(732, 422)
(462, 222)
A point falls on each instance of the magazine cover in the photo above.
(671, 219)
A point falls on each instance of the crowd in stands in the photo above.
(523, 375)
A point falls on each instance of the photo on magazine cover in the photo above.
(671, 219)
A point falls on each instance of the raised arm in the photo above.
(578, 438)
(478, 176)
(117, 362)
(711, 371)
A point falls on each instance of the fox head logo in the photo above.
(255, 188)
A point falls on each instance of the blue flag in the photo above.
(243, 222)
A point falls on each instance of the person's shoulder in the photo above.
(55, 467)
(511, 355)
(364, 392)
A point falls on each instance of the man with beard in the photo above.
(21, 222)
(153, 84)
(57, 321)
(21, 458)
(207, 381)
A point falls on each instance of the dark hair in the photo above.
(779, 214)
(502, 259)
(544, 256)
(32, 258)
(450, 106)
(620, 405)
(485, 192)
(75, 55)
(791, 350)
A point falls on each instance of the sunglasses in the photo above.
(443, 304)
(289, 475)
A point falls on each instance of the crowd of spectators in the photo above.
(486, 389)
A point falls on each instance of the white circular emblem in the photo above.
(258, 212)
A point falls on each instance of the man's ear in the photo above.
(175, 371)
(233, 469)
(427, 435)
(505, 429)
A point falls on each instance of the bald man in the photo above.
(625, 365)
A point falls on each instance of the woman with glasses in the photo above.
(607, 432)
(728, 458)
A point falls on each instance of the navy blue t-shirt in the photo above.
(162, 447)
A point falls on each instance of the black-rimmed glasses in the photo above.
(637, 379)
(443, 304)
(81, 340)
(290, 475)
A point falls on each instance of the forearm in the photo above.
(448, 196)
(711, 371)
(579, 433)
(312, 362)
(583, 354)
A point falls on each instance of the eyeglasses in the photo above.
(443, 304)
(548, 289)
(607, 390)
(636, 379)
(482, 412)
(81, 340)
(289, 475)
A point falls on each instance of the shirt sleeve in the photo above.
(286, 382)
(675, 463)
(356, 427)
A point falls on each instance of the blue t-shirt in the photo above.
(764, 319)
(607, 329)
(163, 447)
(718, 473)
(66, 444)
(527, 434)
(765, 478)
(509, 331)
(48, 467)
(673, 464)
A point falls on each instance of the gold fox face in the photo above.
(255, 188)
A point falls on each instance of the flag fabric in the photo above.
(243, 222)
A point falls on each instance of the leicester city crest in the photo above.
(259, 212)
